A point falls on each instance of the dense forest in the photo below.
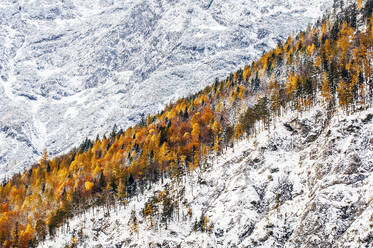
(329, 64)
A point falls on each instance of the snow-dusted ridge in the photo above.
(309, 187)
(74, 68)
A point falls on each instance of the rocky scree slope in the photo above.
(305, 182)
(73, 69)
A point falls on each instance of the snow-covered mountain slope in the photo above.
(304, 183)
(74, 68)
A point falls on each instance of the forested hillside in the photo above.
(103, 62)
(329, 64)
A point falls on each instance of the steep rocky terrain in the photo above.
(72, 69)
(306, 182)
(277, 154)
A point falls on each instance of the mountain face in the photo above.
(72, 69)
(277, 154)
(305, 182)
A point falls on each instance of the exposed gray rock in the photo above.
(286, 200)
(71, 69)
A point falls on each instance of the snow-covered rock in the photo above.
(306, 182)
(71, 69)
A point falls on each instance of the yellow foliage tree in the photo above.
(327, 49)
(238, 132)
(274, 87)
(344, 39)
(310, 50)
(359, 4)
(292, 84)
(88, 185)
(342, 91)
(318, 62)
(195, 131)
(325, 90)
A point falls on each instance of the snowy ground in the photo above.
(72, 69)
(307, 187)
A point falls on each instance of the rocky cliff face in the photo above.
(305, 182)
(72, 69)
